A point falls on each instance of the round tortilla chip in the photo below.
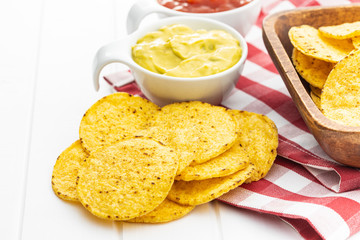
(197, 128)
(342, 31)
(167, 211)
(229, 162)
(340, 98)
(65, 171)
(316, 99)
(356, 42)
(312, 70)
(164, 135)
(126, 179)
(259, 137)
(203, 191)
(315, 90)
(310, 42)
(115, 117)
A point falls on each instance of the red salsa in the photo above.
(203, 6)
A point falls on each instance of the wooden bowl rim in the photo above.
(293, 77)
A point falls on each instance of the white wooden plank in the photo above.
(72, 31)
(18, 57)
(237, 223)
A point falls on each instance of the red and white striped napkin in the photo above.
(306, 188)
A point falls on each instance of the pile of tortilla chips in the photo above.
(137, 162)
(328, 58)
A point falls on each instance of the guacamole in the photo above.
(178, 51)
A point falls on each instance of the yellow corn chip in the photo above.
(200, 129)
(340, 98)
(316, 99)
(259, 137)
(167, 211)
(115, 117)
(65, 171)
(313, 70)
(126, 179)
(229, 162)
(342, 31)
(165, 136)
(315, 90)
(356, 42)
(202, 191)
(310, 42)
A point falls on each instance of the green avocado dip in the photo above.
(178, 51)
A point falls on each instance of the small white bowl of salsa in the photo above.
(239, 14)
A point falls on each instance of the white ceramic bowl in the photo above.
(162, 89)
(241, 18)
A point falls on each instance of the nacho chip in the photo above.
(126, 179)
(340, 98)
(65, 171)
(356, 42)
(313, 70)
(316, 99)
(115, 117)
(310, 42)
(203, 191)
(259, 137)
(200, 129)
(229, 162)
(315, 90)
(167, 211)
(165, 136)
(342, 31)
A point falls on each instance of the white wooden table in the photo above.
(46, 52)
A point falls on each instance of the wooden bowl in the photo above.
(340, 142)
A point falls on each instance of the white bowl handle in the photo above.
(118, 51)
(138, 11)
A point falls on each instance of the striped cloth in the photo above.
(306, 188)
